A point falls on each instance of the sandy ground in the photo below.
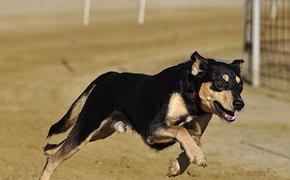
(37, 88)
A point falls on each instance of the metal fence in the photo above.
(274, 41)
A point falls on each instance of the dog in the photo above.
(172, 106)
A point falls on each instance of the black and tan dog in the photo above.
(174, 105)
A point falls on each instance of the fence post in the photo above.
(142, 8)
(247, 34)
(256, 43)
(87, 5)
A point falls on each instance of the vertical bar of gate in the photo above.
(246, 33)
(256, 43)
(86, 19)
(141, 12)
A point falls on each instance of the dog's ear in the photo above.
(199, 66)
(237, 65)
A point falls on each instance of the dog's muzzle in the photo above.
(224, 114)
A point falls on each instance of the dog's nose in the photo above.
(238, 104)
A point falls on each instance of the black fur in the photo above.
(173, 105)
(64, 124)
(142, 100)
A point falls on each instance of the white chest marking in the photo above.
(187, 120)
(176, 106)
(120, 127)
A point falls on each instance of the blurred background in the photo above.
(48, 56)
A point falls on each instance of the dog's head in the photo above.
(220, 86)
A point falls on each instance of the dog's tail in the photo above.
(67, 121)
(72, 114)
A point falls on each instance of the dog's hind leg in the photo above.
(75, 141)
(50, 149)
(104, 131)
(91, 120)
(116, 122)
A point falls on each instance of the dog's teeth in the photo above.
(227, 118)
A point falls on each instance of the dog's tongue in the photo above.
(229, 117)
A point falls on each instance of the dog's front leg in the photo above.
(181, 163)
(178, 165)
(169, 134)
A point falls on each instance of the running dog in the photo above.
(172, 106)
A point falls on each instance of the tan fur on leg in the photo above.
(181, 163)
(66, 151)
(178, 165)
(52, 151)
(180, 134)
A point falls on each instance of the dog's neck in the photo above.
(194, 94)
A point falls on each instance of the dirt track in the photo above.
(36, 89)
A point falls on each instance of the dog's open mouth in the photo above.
(225, 114)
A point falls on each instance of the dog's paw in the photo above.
(197, 158)
(174, 169)
(201, 161)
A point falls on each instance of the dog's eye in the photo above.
(219, 83)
